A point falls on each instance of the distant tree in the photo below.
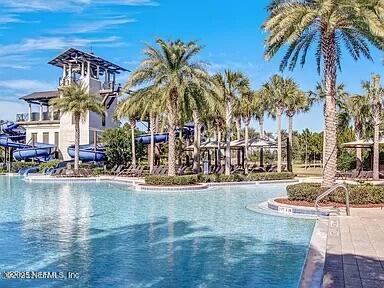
(118, 145)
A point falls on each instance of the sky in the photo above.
(35, 31)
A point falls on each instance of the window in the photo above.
(34, 138)
(46, 137)
(56, 139)
(103, 120)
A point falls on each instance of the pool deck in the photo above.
(355, 250)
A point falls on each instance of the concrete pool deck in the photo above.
(355, 250)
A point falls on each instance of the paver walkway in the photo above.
(355, 250)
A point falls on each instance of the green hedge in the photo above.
(16, 166)
(49, 164)
(171, 180)
(250, 177)
(193, 179)
(358, 194)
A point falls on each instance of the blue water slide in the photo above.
(14, 136)
(40, 151)
(88, 153)
(158, 138)
(163, 137)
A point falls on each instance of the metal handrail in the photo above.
(329, 191)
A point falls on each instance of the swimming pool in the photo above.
(115, 237)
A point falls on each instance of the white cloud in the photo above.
(52, 5)
(54, 43)
(25, 85)
(94, 26)
(14, 66)
(5, 19)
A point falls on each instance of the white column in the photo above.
(70, 73)
(41, 112)
(97, 71)
(29, 112)
(82, 69)
(88, 69)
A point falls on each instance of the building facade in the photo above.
(98, 76)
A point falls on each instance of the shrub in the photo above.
(16, 166)
(358, 194)
(249, 177)
(171, 180)
(49, 164)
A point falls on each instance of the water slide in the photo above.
(88, 153)
(163, 137)
(13, 136)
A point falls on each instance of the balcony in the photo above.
(46, 117)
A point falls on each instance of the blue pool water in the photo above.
(115, 237)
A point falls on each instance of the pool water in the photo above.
(113, 236)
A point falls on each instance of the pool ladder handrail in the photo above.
(329, 191)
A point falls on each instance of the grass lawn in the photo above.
(300, 170)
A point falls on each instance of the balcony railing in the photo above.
(35, 116)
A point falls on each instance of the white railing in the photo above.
(329, 191)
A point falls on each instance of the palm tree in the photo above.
(295, 103)
(75, 99)
(277, 91)
(319, 95)
(248, 105)
(167, 71)
(375, 93)
(358, 109)
(230, 85)
(327, 24)
(261, 107)
(143, 104)
(133, 110)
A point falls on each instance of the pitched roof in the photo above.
(73, 55)
(42, 96)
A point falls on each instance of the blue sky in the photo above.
(35, 31)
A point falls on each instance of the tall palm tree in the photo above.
(141, 105)
(319, 95)
(358, 109)
(375, 93)
(230, 85)
(327, 24)
(261, 107)
(133, 110)
(277, 91)
(295, 103)
(248, 105)
(75, 99)
(168, 70)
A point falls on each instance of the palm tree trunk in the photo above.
(246, 140)
(218, 146)
(152, 145)
(171, 142)
(261, 125)
(290, 143)
(279, 113)
(133, 143)
(196, 142)
(359, 161)
(238, 131)
(229, 114)
(77, 142)
(376, 157)
(329, 52)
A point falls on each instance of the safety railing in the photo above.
(329, 191)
